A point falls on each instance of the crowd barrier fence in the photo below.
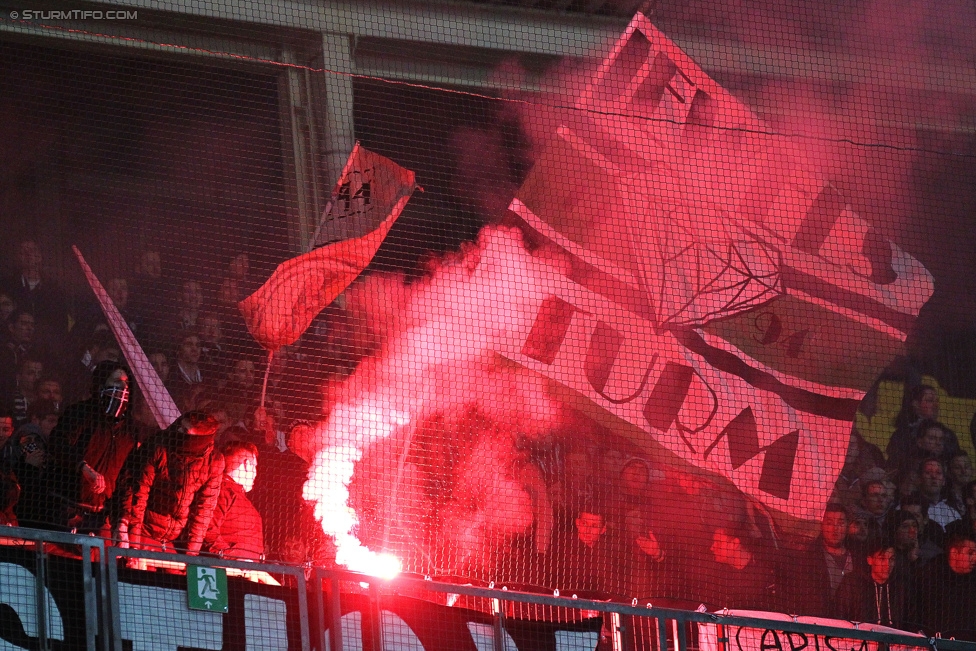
(329, 609)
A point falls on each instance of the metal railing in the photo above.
(623, 627)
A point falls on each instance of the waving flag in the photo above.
(163, 408)
(723, 297)
(370, 195)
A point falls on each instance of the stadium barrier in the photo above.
(66, 591)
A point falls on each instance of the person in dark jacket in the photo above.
(172, 487)
(813, 576)
(235, 529)
(921, 403)
(36, 507)
(88, 448)
(878, 595)
(945, 595)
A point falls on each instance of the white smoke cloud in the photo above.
(433, 357)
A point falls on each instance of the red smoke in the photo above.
(430, 425)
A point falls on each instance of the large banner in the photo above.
(723, 298)
(712, 637)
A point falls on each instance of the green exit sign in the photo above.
(206, 588)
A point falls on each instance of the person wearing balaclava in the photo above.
(88, 448)
(172, 487)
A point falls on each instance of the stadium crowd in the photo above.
(80, 451)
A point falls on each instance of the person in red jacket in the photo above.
(172, 487)
(235, 530)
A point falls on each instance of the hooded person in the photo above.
(875, 593)
(172, 486)
(27, 462)
(89, 446)
(236, 529)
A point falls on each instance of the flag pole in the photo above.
(267, 372)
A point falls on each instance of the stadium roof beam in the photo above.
(496, 28)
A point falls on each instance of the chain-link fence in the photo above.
(672, 306)
(119, 598)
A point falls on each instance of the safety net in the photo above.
(661, 301)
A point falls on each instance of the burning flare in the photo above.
(434, 357)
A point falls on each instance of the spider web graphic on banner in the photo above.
(734, 315)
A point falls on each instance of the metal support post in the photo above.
(335, 611)
(498, 625)
(375, 618)
(39, 593)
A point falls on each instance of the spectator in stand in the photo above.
(233, 328)
(738, 575)
(876, 594)
(960, 473)
(944, 599)
(6, 431)
(159, 361)
(240, 270)
(930, 442)
(931, 536)
(213, 354)
(173, 487)
(9, 495)
(812, 578)
(291, 532)
(651, 567)
(187, 376)
(240, 392)
(901, 532)
(89, 447)
(933, 489)
(862, 457)
(37, 507)
(7, 307)
(278, 488)
(232, 434)
(229, 292)
(294, 383)
(45, 414)
(20, 345)
(92, 318)
(29, 372)
(909, 483)
(920, 404)
(38, 296)
(6, 425)
(50, 389)
(876, 499)
(100, 347)
(190, 302)
(21, 337)
(144, 425)
(185, 318)
(149, 298)
(966, 526)
(589, 557)
(118, 291)
(235, 530)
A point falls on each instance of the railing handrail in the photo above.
(718, 618)
(45, 535)
(109, 554)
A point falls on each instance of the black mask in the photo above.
(114, 400)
